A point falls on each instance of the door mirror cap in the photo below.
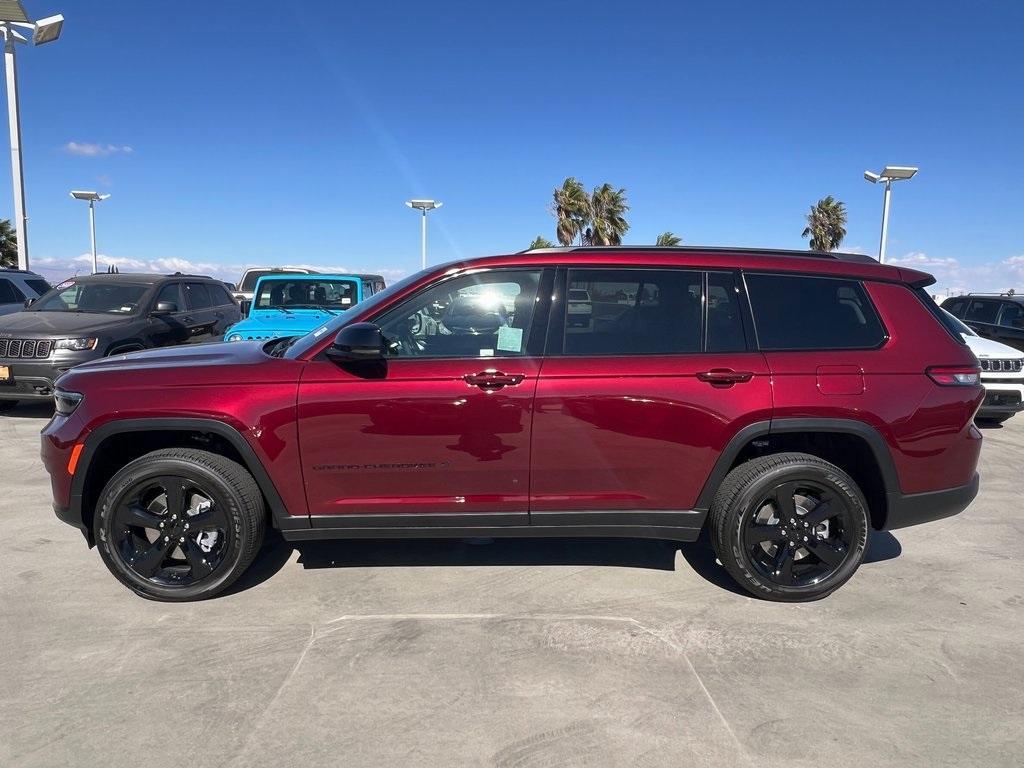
(359, 342)
(165, 308)
(29, 303)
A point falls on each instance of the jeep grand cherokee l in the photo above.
(789, 402)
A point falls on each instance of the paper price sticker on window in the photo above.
(510, 339)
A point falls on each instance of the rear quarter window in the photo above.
(797, 312)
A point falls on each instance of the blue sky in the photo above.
(231, 138)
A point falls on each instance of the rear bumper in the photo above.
(915, 508)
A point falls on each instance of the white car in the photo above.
(1002, 374)
(580, 307)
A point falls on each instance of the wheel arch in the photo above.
(854, 446)
(112, 445)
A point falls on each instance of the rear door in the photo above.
(225, 309)
(201, 317)
(636, 402)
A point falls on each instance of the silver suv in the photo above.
(18, 286)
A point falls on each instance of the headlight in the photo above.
(76, 345)
(235, 337)
(66, 402)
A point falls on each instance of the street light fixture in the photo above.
(889, 174)
(93, 198)
(12, 19)
(424, 206)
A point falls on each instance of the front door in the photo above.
(443, 426)
(647, 390)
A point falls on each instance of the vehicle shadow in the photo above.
(652, 554)
(30, 409)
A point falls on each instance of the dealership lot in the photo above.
(514, 653)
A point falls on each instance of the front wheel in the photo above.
(789, 527)
(179, 524)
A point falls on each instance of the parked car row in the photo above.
(45, 331)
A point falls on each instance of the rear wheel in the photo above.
(789, 527)
(179, 524)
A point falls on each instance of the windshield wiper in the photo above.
(282, 309)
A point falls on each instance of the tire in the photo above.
(6, 405)
(135, 509)
(762, 545)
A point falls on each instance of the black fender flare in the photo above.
(279, 514)
(870, 435)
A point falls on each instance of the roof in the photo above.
(853, 265)
(136, 277)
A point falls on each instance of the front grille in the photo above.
(1001, 366)
(25, 349)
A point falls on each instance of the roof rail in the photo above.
(184, 274)
(1009, 294)
(857, 257)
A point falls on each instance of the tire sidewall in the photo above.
(141, 470)
(743, 508)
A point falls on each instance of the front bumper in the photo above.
(1001, 399)
(915, 508)
(34, 379)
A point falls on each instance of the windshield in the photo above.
(106, 296)
(250, 278)
(289, 293)
(303, 343)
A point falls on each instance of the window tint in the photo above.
(198, 296)
(955, 307)
(300, 293)
(982, 311)
(171, 292)
(99, 296)
(219, 295)
(9, 293)
(38, 285)
(632, 311)
(481, 315)
(725, 326)
(1012, 315)
(799, 312)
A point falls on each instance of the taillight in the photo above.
(954, 375)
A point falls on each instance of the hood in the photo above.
(60, 323)
(187, 357)
(983, 347)
(273, 323)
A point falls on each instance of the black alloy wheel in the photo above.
(179, 524)
(789, 526)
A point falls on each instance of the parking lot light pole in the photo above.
(13, 18)
(93, 198)
(889, 174)
(424, 206)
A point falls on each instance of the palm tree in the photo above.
(540, 242)
(571, 209)
(8, 245)
(608, 223)
(668, 239)
(826, 224)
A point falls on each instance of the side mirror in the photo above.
(29, 303)
(165, 308)
(359, 342)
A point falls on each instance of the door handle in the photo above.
(492, 379)
(725, 376)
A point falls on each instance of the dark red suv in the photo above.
(790, 401)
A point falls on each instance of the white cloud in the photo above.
(88, 149)
(954, 277)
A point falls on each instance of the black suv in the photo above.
(995, 316)
(85, 318)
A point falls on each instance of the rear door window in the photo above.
(795, 312)
(725, 323)
(633, 311)
(198, 296)
(982, 311)
(1011, 315)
